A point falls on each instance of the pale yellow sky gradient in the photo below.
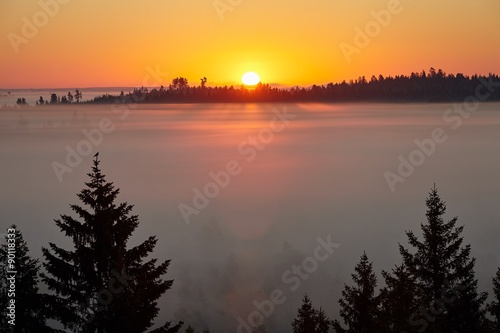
(290, 42)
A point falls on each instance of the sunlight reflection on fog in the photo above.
(323, 174)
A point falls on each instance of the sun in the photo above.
(250, 79)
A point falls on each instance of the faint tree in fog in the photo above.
(101, 285)
(358, 305)
(29, 303)
(446, 287)
(189, 329)
(70, 97)
(494, 306)
(260, 329)
(230, 277)
(397, 301)
(41, 101)
(310, 320)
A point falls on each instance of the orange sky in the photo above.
(290, 42)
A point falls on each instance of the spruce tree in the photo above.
(358, 305)
(29, 302)
(101, 285)
(305, 322)
(494, 306)
(397, 301)
(322, 322)
(444, 274)
(310, 320)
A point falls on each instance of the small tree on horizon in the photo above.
(78, 95)
(101, 285)
(203, 82)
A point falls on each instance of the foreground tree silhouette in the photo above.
(29, 303)
(305, 322)
(310, 320)
(446, 287)
(101, 285)
(358, 305)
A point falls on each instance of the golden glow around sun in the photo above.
(250, 79)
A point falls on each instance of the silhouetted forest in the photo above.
(102, 285)
(434, 86)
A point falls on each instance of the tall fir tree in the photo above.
(397, 301)
(358, 305)
(29, 302)
(101, 285)
(494, 306)
(446, 287)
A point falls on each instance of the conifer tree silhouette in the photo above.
(446, 287)
(101, 285)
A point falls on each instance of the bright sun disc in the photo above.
(250, 78)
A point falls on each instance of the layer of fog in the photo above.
(322, 175)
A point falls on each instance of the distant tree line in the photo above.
(434, 86)
(60, 99)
